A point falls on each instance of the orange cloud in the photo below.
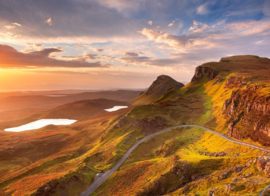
(49, 21)
(10, 58)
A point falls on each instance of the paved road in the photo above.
(265, 190)
(97, 182)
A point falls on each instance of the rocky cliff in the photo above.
(201, 70)
(158, 88)
(247, 111)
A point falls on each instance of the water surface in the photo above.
(41, 123)
(115, 108)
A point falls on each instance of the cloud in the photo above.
(15, 23)
(60, 72)
(266, 8)
(219, 38)
(198, 27)
(49, 21)
(124, 53)
(150, 22)
(149, 61)
(11, 58)
(10, 27)
(124, 6)
(173, 41)
(94, 49)
(31, 47)
(90, 21)
(202, 9)
(34, 44)
(249, 28)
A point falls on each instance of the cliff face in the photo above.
(247, 111)
(200, 71)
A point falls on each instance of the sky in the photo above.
(112, 44)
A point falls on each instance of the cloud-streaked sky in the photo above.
(91, 44)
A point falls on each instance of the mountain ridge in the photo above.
(160, 86)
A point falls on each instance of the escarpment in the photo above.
(201, 70)
(248, 111)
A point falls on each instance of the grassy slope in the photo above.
(144, 167)
(36, 157)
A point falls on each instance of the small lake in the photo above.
(115, 108)
(41, 123)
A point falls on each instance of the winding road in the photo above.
(103, 177)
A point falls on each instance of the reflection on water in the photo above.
(115, 108)
(41, 123)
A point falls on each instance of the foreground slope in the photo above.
(160, 86)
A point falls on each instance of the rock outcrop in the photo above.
(159, 87)
(201, 70)
(263, 165)
(248, 108)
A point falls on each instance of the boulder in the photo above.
(267, 169)
(224, 175)
(236, 179)
(261, 162)
(237, 169)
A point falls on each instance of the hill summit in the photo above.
(160, 86)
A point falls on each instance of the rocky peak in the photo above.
(201, 70)
(162, 84)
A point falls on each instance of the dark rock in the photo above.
(200, 71)
(237, 169)
(226, 104)
(261, 162)
(267, 169)
(236, 179)
(234, 80)
(224, 175)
